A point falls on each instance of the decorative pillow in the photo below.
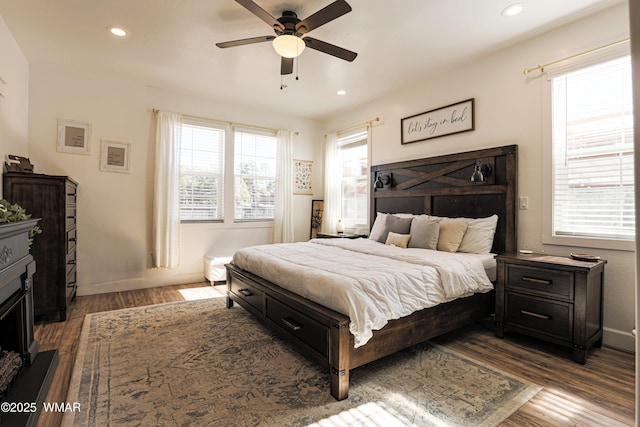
(391, 223)
(378, 227)
(424, 232)
(451, 233)
(478, 239)
(400, 240)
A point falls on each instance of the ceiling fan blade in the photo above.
(261, 13)
(321, 17)
(286, 66)
(329, 48)
(242, 42)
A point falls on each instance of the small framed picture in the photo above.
(73, 136)
(114, 156)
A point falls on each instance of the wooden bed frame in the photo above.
(438, 186)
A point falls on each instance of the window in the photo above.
(592, 183)
(249, 179)
(201, 171)
(254, 175)
(353, 155)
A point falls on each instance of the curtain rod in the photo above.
(542, 67)
(365, 123)
(296, 133)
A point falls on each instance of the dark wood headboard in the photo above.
(442, 186)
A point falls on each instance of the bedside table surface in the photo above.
(339, 235)
(552, 260)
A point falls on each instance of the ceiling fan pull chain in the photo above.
(282, 85)
(297, 61)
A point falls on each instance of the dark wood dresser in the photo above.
(53, 200)
(557, 299)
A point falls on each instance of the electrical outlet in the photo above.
(524, 203)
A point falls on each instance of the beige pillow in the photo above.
(451, 233)
(400, 240)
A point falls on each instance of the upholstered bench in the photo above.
(214, 270)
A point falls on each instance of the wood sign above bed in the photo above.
(442, 186)
(439, 186)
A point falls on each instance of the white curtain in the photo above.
(332, 181)
(166, 203)
(283, 221)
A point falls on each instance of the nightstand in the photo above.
(339, 236)
(557, 299)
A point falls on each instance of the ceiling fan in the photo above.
(289, 29)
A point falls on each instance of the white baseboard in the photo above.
(133, 284)
(622, 340)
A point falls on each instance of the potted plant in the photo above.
(14, 213)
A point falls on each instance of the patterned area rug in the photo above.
(196, 363)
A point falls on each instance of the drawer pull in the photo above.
(71, 217)
(245, 292)
(291, 324)
(73, 239)
(532, 314)
(71, 262)
(538, 281)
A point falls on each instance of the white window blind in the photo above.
(592, 152)
(354, 158)
(254, 174)
(201, 171)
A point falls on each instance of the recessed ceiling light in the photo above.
(341, 92)
(513, 10)
(116, 31)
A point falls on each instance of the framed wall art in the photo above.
(114, 156)
(448, 120)
(73, 136)
(302, 180)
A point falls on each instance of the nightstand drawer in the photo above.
(543, 316)
(539, 280)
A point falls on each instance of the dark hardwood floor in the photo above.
(599, 393)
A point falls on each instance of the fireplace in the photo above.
(32, 380)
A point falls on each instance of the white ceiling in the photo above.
(172, 44)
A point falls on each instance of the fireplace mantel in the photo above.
(16, 325)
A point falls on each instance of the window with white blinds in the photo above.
(592, 152)
(354, 157)
(254, 175)
(201, 171)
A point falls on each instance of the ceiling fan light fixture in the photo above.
(288, 46)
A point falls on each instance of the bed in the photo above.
(436, 186)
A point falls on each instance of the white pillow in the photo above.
(378, 227)
(478, 239)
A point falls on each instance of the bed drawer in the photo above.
(248, 293)
(547, 317)
(540, 280)
(299, 325)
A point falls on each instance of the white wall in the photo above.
(115, 209)
(509, 110)
(14, 107)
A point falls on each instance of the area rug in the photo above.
(197, 363)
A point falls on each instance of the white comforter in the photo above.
(370, 282)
